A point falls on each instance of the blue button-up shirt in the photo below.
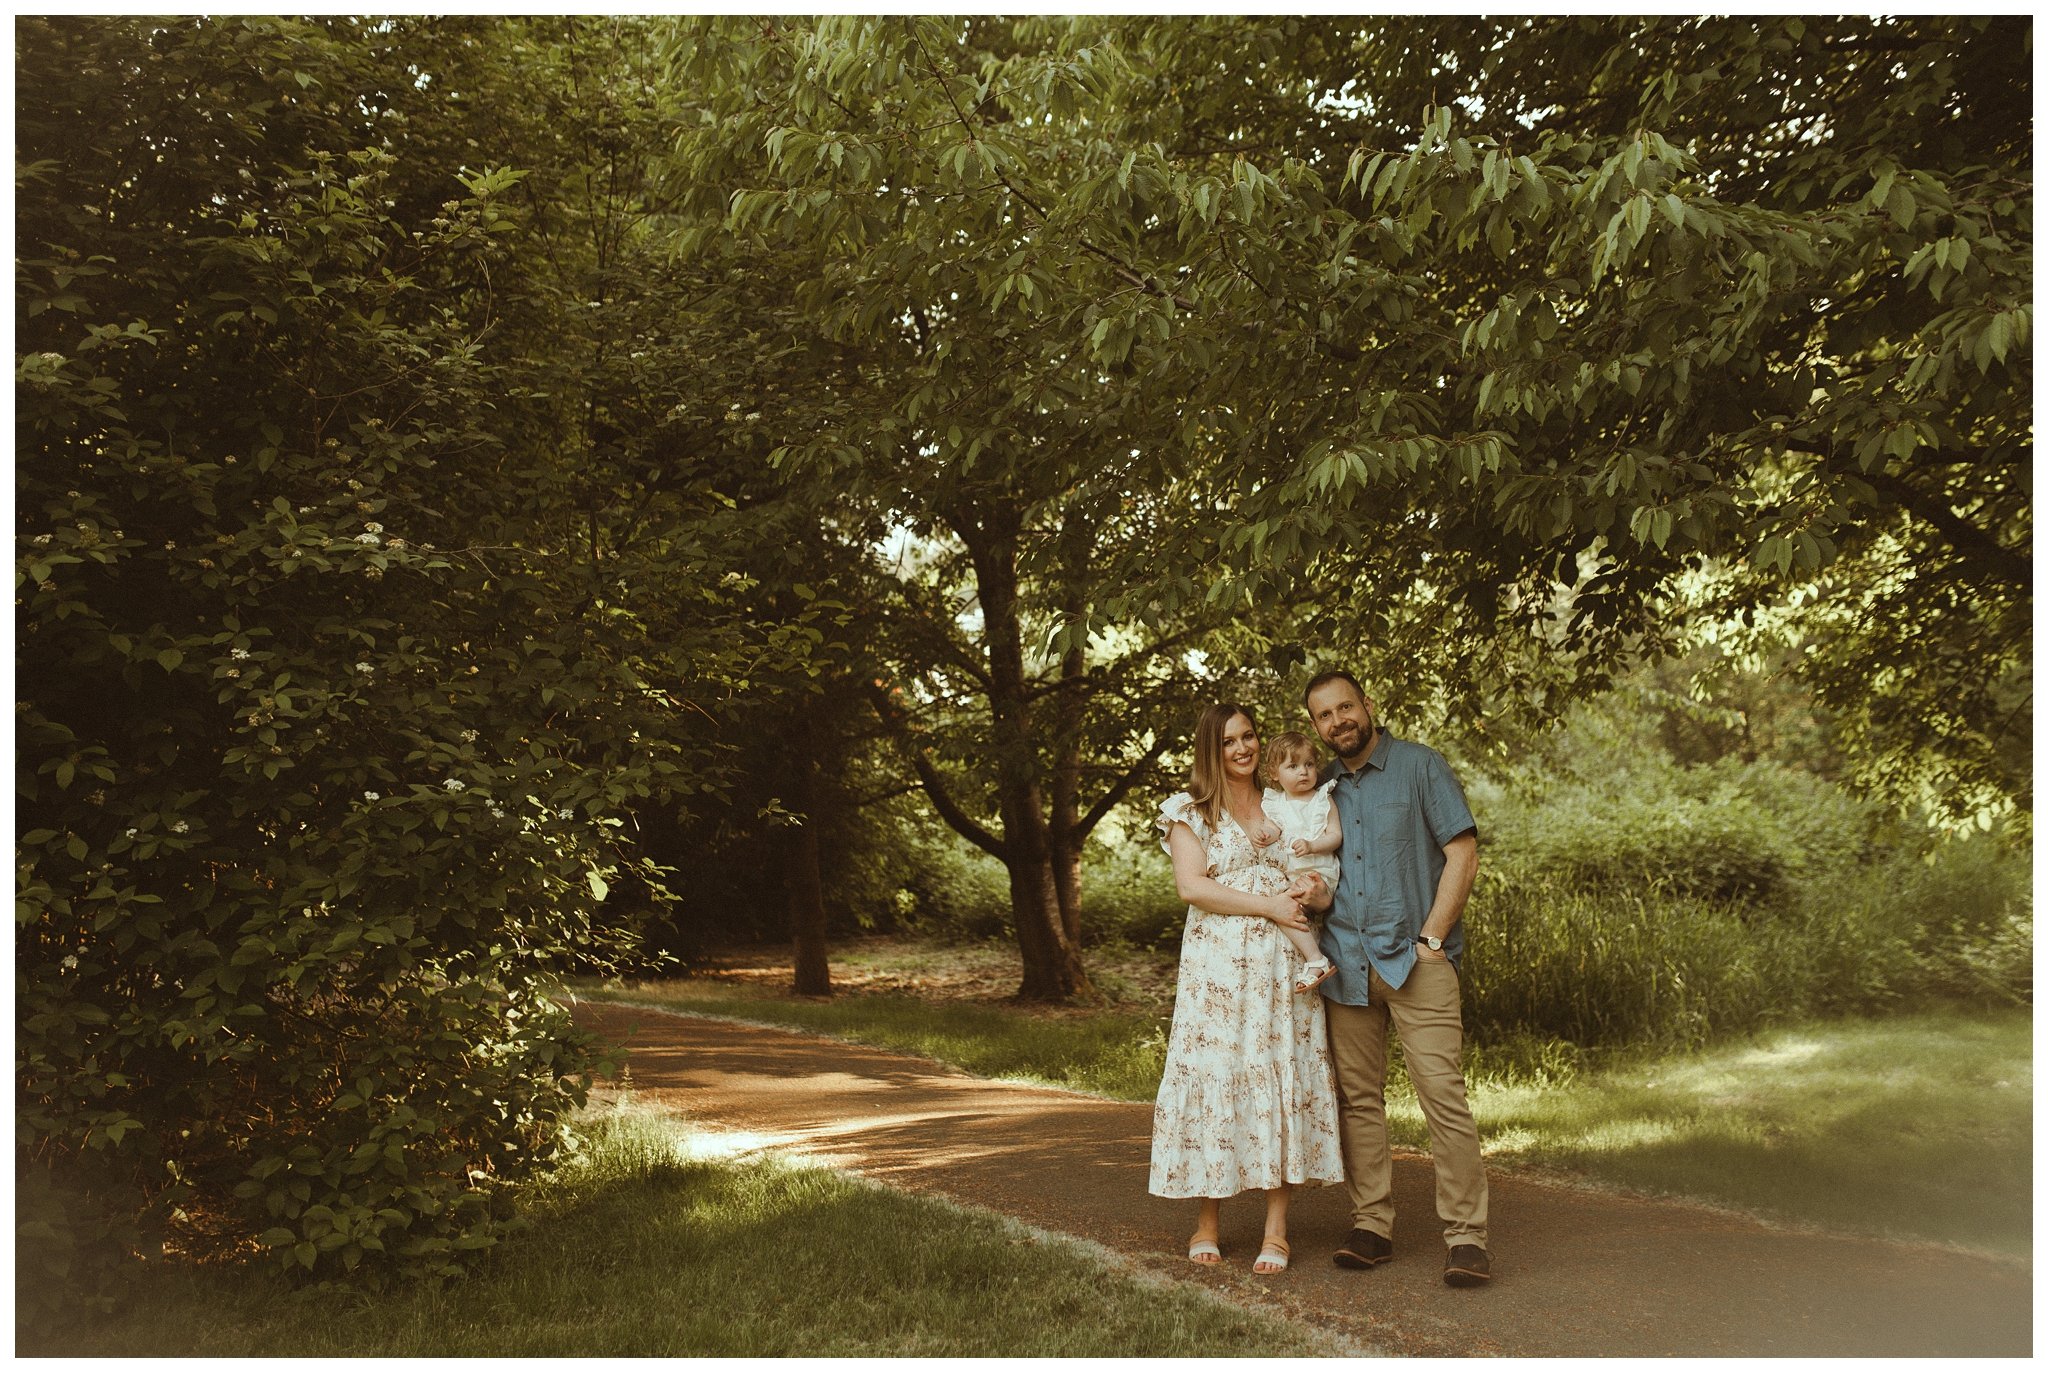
(1398, 812)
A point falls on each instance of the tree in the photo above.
(324, 744)
(1604, 303)
(952, 397)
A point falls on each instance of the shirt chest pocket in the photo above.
(1392, 836)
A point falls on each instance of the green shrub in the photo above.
(1722, 847)
(1626, 965)
(951, 887)
(954, 887)
(1952, 918)
(1127, 895)
(310, 806)
(1747, 833)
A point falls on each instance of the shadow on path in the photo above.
(1576, 1272)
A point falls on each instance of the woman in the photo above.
(1248, 1098)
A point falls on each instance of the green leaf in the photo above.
(1902, 206)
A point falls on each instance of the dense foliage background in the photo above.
(505, 497)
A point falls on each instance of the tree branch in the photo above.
(1968, 540)
(929, 778)
(1108, 800)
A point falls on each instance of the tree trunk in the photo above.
(1052, 960)
(1052, 965)
(1065, 860)
(1067, 837)
(813, 976)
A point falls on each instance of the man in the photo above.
(1410, 852)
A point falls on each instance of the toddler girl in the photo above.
(1310, 833)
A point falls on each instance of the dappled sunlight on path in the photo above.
(1577, 1271)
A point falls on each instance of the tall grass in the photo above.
(1639, 963)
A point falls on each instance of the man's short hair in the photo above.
(1325, 678)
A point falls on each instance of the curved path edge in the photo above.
(1578, 1271)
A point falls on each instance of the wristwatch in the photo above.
(1435, 945)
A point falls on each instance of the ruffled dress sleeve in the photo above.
(1180, 807)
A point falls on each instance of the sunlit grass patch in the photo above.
(660, 1240)
(1915, 1126)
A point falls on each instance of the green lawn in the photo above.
(1917, 1126)
(654, 1244)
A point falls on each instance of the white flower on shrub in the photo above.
(373, 796)
(179, 827)
(374, 527)
(370, 539)
(365, 669)
(497, 811)
(469, 736)
(238, 653)
(453, 785)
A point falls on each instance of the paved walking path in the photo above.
(1577, 1272)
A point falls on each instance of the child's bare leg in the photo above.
(1304, 942)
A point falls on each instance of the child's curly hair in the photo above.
(1293, 746)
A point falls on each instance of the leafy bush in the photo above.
(953, 886)
(1127, 894)
(1747, 833)
(1126, 890)
(1722, 847)
(315, 789)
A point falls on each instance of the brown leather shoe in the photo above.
(1363, 1249)
(1467, 1266)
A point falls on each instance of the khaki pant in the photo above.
(1425, 1012)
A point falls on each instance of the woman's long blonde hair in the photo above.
(1207, 778)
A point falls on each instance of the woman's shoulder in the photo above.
(1180, 809)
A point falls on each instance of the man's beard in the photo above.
(1364, 738)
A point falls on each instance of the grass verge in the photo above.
(1916, 1126)
(653, 1244)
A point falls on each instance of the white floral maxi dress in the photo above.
(1248, 1099)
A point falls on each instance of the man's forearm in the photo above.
(1454, 888)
